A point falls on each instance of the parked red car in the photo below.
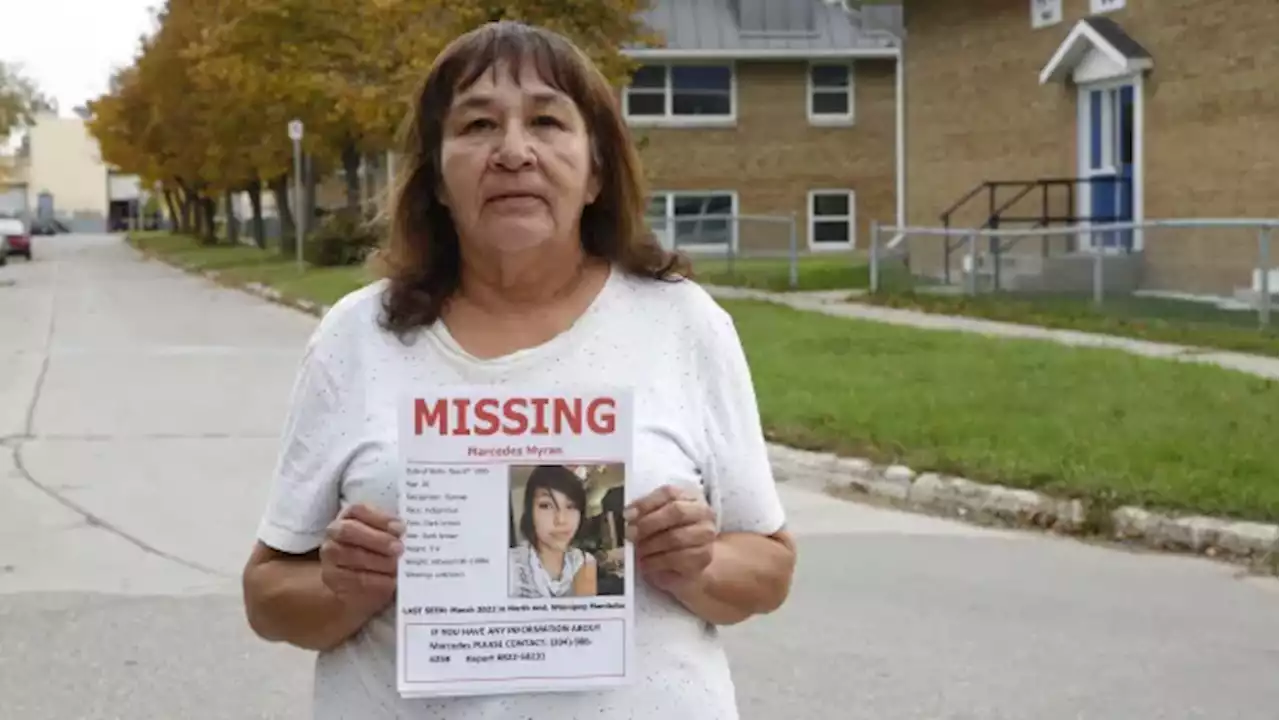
(14, 239)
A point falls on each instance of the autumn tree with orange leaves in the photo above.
(203, 109)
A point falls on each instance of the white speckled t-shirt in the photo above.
(696, 423)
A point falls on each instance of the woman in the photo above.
(546, 563)
(519, 254)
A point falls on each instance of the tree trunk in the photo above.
(195, 223)
(233, 223)
(351, 169)
(185, 202)
(208, 213)
(173, 209)
(259, 226)
(311, 184)
(288, 237)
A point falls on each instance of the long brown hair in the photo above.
(421, 259)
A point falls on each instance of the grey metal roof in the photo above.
(754, 25)
(1122, 41)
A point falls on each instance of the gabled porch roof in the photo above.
(1101, 36)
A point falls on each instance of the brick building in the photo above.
(765, 110)
(1096, 109)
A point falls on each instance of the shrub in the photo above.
(342, 238)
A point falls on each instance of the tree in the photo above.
(20, 100)
(203, 108)
(321, 61)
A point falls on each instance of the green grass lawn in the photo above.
(844, 271)
(1097, 424)
(244, 264)
(1156, 319)
(1077, 422)
(834, 271)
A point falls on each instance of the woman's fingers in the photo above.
(678, 509)
(374, 518)
(676, 538)
(360, 560)
(356, 533)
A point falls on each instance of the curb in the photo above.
(1235, 540)
(256, 289)
(980, 503)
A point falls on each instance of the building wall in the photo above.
(65, 162)
(13, 186)
(976, 112)
(773, 156)
(13, 200)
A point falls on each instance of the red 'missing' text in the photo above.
(515, 416)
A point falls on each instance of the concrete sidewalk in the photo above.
(833, 303)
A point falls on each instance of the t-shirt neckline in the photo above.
(440, 333)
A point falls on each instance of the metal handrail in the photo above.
(1265, 226)
(1082, 227)
(946, 214)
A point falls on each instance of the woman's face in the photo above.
(555, 519)
(516, 162)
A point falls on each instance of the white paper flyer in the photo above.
(516, 575)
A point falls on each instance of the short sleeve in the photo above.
(740, 478)
(306, 486)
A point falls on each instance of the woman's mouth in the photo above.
(515, 199)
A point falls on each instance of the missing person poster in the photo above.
(516, 575)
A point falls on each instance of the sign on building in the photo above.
(1045, 13)
(1102, 6)
(123, 187)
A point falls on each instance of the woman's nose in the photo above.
(513, 151)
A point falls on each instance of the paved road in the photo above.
(139, 408)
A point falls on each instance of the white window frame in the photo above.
(669, 197)
(668, 118)
(851, 219)
(841, 119)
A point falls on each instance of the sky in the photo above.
(71, 47)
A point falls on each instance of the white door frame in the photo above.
(1084, 199)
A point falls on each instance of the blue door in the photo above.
(44, 207)
(1110, 174)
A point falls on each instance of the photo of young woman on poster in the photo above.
(553, 544)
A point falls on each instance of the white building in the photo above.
(59, 174)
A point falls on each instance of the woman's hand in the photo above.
(359, 557)
(674, 533)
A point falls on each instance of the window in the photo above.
(681, 92)
(832, 219)
(694, 220)
(831, 92)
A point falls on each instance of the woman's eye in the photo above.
(478, 124)
(547, 121)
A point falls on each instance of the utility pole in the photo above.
(295, 134)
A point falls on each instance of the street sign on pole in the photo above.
(295, 134)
